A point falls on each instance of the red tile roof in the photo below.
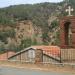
(49, 50)
(53, 51)
(6, 55)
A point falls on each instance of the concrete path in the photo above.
(15, 71)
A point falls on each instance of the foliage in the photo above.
(45, 38)
(2, 48)
(5, 34)
(54, 24)
(37, 13)
(57, 41)
(26, 43)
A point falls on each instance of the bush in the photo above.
(5, 34)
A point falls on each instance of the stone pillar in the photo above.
(38, 56)
(73, 34)
(61, 33)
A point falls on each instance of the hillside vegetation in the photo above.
(40, 19)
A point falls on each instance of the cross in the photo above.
(69, 10)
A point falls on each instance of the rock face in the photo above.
(25, 30)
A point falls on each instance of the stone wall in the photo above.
(38, 56)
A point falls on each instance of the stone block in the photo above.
(38, 56)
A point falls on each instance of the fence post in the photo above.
(60, 57)
(20, 56)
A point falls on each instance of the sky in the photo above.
(5, 3)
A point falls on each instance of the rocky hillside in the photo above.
(25, 25)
